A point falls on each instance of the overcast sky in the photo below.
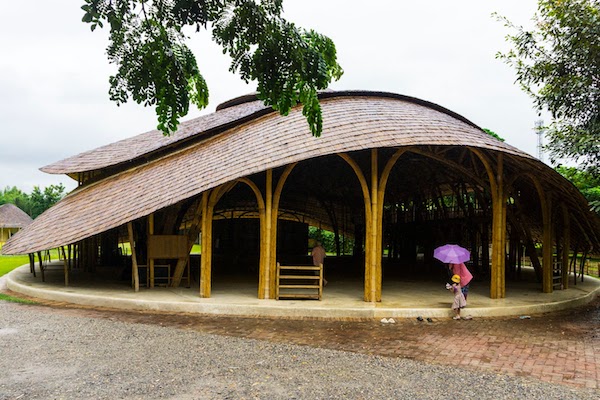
(54, 73)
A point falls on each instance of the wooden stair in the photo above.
(296, 282)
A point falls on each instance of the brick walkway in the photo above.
(562, 348)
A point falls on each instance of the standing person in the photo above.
(465, 276)
(318, 256)
(459, 298)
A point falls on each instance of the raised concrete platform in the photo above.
(342, 298)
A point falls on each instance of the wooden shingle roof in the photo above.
(12, 216)
(250, 139)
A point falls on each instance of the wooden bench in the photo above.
(299, 282)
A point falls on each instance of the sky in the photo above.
(54, 72)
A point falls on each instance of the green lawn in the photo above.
(8, 263)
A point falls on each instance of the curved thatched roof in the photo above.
(239, 140)
(12, 216)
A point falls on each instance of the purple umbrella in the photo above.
(452, 254)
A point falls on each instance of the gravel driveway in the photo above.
(47, 354)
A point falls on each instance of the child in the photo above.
(459, 297)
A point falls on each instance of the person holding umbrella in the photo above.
(455, 256)
(465, 276)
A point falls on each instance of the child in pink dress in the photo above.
(459, 297)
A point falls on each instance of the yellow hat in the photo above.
(455, 278)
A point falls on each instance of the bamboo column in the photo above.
(547, 264)
(206, 247)
(368, 291)
(499, 195)
(150, 261)
(134, 265)
(268, 270)
(65, 265)
(566, 246)
(375, 264)
(274, 212)
(498, 278)
(263, 264)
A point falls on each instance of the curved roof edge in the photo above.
(227, 115)
(326, 94)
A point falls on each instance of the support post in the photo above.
(547, 265)
(498, 191)
(566, 246)
(134, 264)
(375, 264)
(206, 248)
(150, 261)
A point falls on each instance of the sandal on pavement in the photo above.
(456, 317)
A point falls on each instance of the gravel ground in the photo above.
(46, 354)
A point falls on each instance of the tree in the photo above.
(155, 67)
(35, 203)
(40, 200)
(558, 65)
(15, 196)
(586, 183)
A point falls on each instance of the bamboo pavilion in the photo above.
(392, 177)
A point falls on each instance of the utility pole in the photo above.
(539, 131)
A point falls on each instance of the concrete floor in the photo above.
(342, 298)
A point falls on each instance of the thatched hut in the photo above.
(12, 220)
(395, 175)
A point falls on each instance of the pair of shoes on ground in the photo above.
(456, 317)
(420, 319)
(388, 321)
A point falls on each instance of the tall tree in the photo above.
(155, 67)
(558, 64)
(588, 185)
(15, 196)
(35, 203)
(41, 200)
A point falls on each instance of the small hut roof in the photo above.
(242, 139)
(12, 216)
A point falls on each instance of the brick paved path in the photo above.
(562, 348)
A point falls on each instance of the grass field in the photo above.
(8, 263)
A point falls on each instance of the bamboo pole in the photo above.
(375, 292)
(150, 261)
(368, 216)
(383, 179)
(134, 264)
(65, 265)
(547, 265)
(39, 254)
(497, 276)
(263, 264)
(566, 246)
(269, 282)
(206, 240)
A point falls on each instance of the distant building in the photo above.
(12, 220)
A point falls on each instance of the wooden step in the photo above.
(301, 267)
(299, 277)
(298, 286)
(299, 296)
